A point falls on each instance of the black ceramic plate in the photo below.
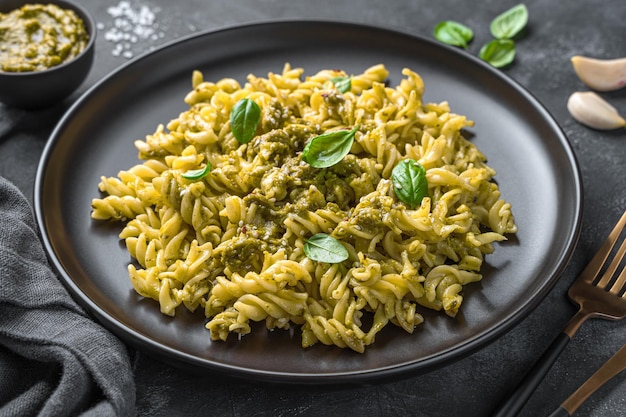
(536, 170)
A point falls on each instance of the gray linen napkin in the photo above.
(54, 359)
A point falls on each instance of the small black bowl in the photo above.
(40, 89)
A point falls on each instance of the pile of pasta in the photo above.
(232, 243)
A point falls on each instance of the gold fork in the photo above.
(612, 367)
(597, 298)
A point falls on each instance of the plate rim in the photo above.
(189, 361)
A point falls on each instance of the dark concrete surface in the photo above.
(471, 386)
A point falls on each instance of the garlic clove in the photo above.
(592, 110)
(601, 74)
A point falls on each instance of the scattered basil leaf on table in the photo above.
(509, 23)
(325, 248)
(343, 84)
(453, 33)
(409, 182)
(244, 119)
(196, 174)
(326, 150)
(499, 52)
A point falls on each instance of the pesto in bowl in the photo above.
(36, 37)
(46, 52)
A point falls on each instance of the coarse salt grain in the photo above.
(131, 23)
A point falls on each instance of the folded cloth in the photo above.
(54, 359)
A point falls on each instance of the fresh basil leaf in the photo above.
(196, 174)
(409, 182)
(509, 23)
(343, 84)
(325, 248)
(326, 150)
(244, 119)
(499, 52)
(453, 33)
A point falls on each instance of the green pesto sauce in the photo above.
(37, 37)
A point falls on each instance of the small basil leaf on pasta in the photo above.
(453, 33)
(244, 119)
(197, 174)
(325, 248)
(509, 23)
(328, 149)
(409, 182)
(343, 84)
(499, 52)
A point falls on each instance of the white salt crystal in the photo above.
(132, 22)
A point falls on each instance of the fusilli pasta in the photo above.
(233, 242)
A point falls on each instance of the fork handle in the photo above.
(518, 398)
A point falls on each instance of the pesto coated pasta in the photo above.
(232, 243)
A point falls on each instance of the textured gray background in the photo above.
(469, 387)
